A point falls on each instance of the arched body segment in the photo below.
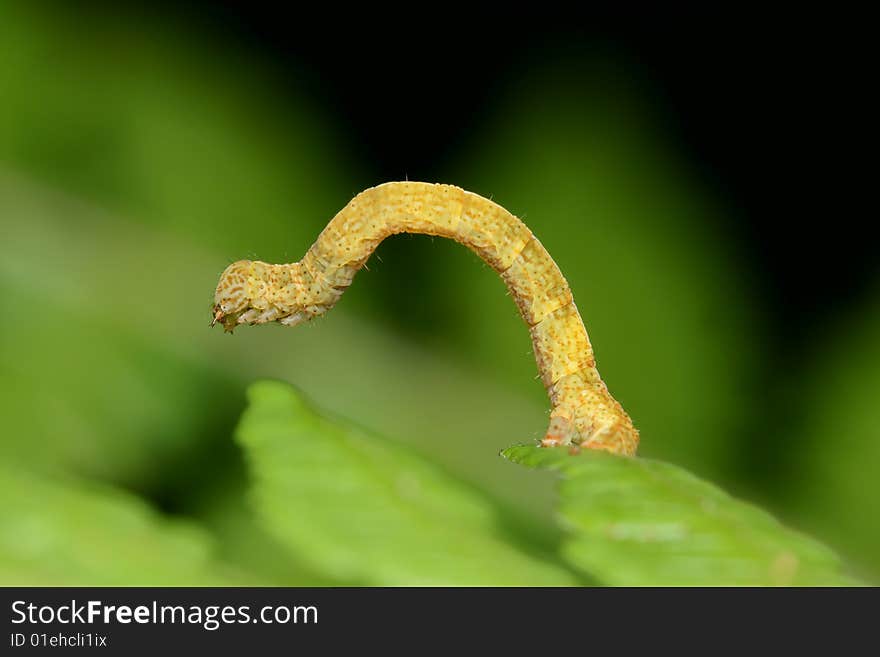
(584, 413)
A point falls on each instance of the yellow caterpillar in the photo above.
(584, 413)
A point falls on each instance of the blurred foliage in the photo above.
(66, 533)
(364, 510)
(137, 158)
(640, 522)
(140, 118)
(835, 488)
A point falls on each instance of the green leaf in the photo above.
(833, 488)
(634, 521)
(69, 533)
(361, 509)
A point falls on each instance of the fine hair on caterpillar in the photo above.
(583, 414)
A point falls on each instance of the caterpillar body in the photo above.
(583, 412)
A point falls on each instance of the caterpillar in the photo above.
(584, 414)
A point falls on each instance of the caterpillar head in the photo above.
(254, 292)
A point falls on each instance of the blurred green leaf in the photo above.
(107, 386)
(634, 521)
(167, 126)
(222, 507)
(834, 489)
(362, 509)
(67, 533)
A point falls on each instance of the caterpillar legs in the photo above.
(582, 432)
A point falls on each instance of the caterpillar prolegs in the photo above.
(584, 413)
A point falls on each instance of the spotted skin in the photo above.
(583, 415)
